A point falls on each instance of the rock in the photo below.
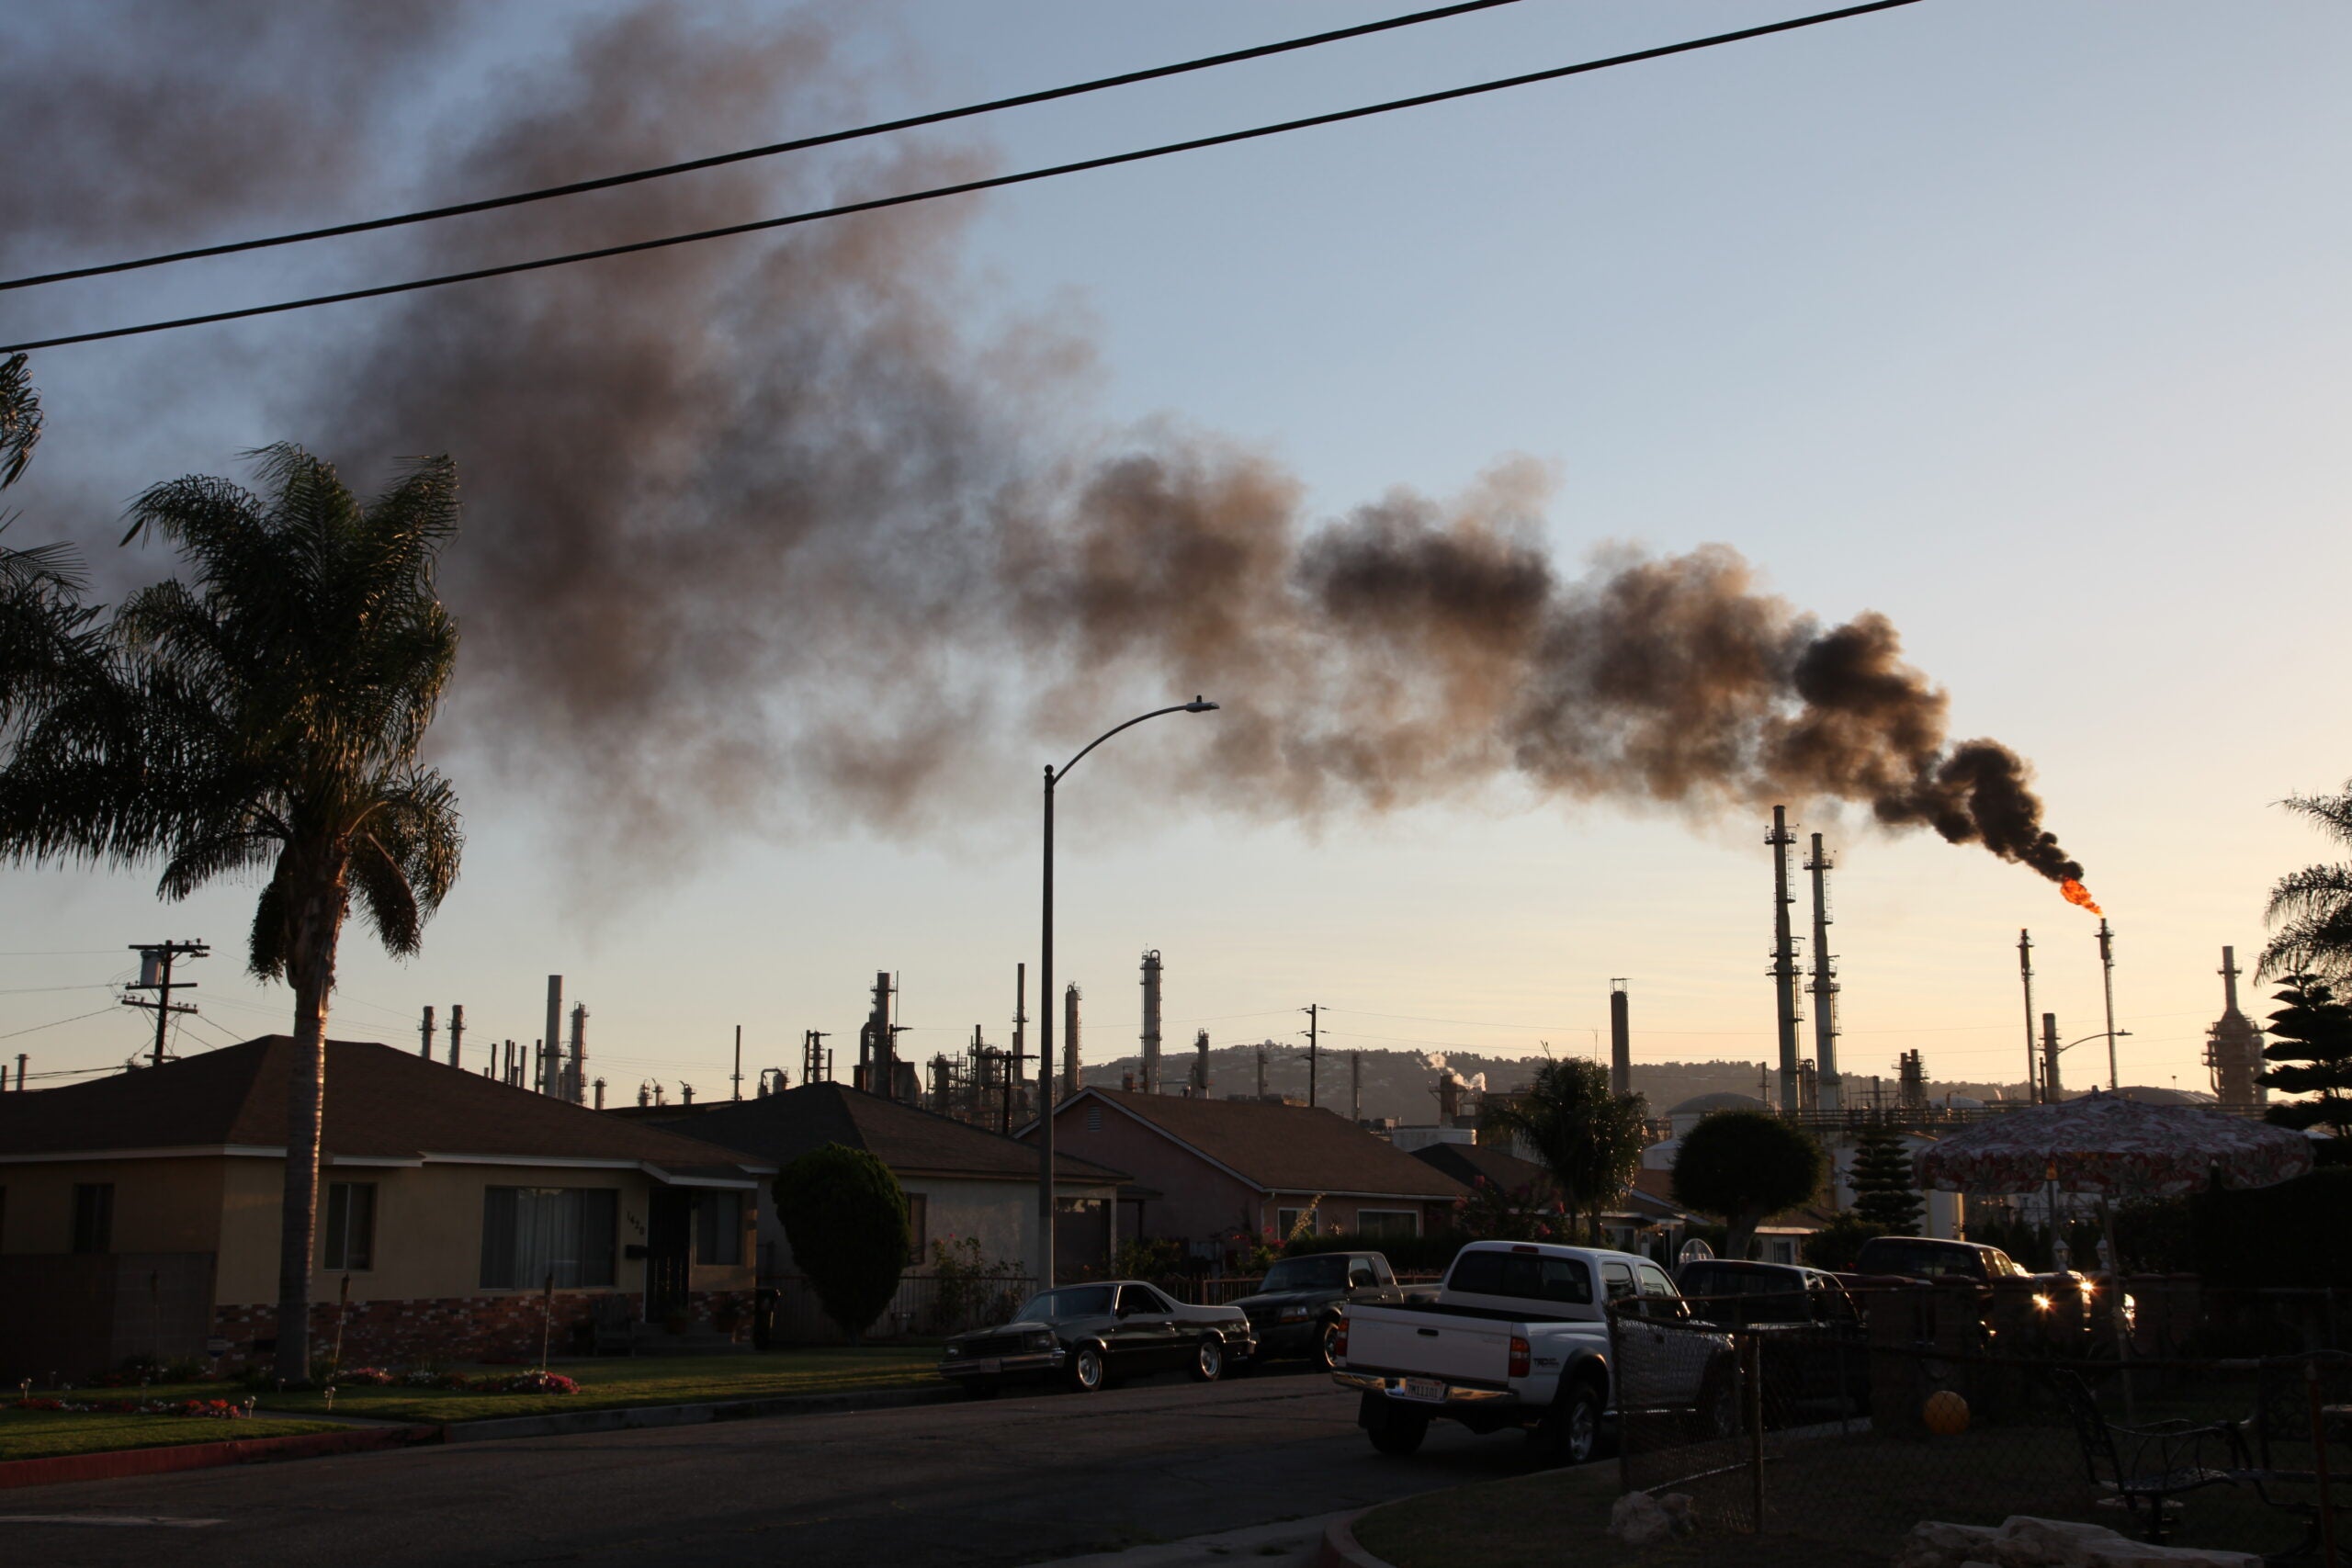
(1934, 1544)
(2122, 1553)
(1639, 1519)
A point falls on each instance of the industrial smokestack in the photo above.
(881, 1077)
(550, 1043)
(1785, 956)
(2025, 972)
(1828, 1088)
(2050, 1082)
(1201, 1064)
(576, 1073)
(424, 1036)
(1355, 1086)
(1073, 1076)
(1151, 1021)
(1449, 1097)
(600, 1094)
(456, 1032)
(1620, 1039)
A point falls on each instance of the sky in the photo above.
(2018, 324)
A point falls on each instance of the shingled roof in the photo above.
(1285, 1148)
(380, 1104)
(1467, 1162)
(913, 1142)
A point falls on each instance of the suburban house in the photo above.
(961, 1181)
(1215, 1173)
(458, 1217)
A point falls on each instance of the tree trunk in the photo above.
(318, 926)
(1740, 1234)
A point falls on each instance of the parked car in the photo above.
(1933, 1259)
(1519, 1337)
(1087, 1336)
(1814, 1354)
(1298, 1304)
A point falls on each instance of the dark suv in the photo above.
(1298, 1304)
(1929, 1257)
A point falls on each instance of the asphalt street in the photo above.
(1016, 1480)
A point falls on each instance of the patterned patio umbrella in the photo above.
(2114, 1147)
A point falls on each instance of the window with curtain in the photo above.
(1388, 1223)
(719, 1227)
(532, 1233)
(351, 1227)
(94, 1216)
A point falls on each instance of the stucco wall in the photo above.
(1002, 1215)
(160, 1205)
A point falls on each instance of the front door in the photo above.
(669, 1231)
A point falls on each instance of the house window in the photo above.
(533, 1235)
(918, 1224)
(351, 1225)
(1388, 1223)
(719, 1227)
(94, 1216)
(1289, 1223)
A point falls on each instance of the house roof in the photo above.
(1468, 1162)
(911, 1141)
(381, 1104)
(1284, 1148)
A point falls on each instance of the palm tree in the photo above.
(2311, 908)
(19, 418)
(1589, 1138)
(44, 626)
(265, 718)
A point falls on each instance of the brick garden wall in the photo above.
(455, 1328)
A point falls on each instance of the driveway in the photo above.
(1010, 1481)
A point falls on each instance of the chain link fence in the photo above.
(1848, 1426)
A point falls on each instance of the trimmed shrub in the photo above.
(845, 1217)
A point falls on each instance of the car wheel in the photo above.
(981, 1388)
(1570, 1431)
(1399, 1433)
(1327, 1339)
(1208, 1359)
(1086, 1369)
(1717, 1415)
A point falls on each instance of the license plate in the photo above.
(1427, 1390)
(987, 1367)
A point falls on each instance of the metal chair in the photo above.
(2146, 1468)
(2284, 1469)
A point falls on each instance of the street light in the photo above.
(1046, 984)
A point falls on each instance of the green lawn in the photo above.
(47, 1434)
(615, 1380)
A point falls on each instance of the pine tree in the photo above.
(2312, 1039)
(1882, 1180)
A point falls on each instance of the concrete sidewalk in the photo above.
(1287, 1543)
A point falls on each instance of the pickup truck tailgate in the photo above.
(1425, 1343)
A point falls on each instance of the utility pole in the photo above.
(155, 975)
(424, 1036)
(1355, 1086)
(1261, 1069)
(739, 1061)
(1021, 1040)
(2106, 974)
(1314, 1018)
(2025, 970)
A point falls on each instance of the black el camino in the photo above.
(1086, 1336)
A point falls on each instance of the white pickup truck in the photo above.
(1519, 1336)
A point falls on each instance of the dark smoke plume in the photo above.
(772, 526)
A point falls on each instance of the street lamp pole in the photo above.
(1046, 1097)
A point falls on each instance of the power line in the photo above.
(60, 1023)
(802, 144)
(965, 187)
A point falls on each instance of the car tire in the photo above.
(1208, 1359)
(1717, 1415)
(981, 1388)
(1570, 1431)
(1391, 1429)
(1399, 1435)
(1087, 1373)
(1326, 1334)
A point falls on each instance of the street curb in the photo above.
(120, 1463)
(1340, 1547)
(632, 1417)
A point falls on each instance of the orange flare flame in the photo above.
(2075, 893)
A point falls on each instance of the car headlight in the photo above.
(1041, 1339)
(2041, 1301)
(1297, 1314)
(954, 1351)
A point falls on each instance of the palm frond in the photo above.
(20, 418)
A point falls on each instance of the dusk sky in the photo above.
(2022, 325)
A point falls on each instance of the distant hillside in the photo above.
(1403, 1084)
